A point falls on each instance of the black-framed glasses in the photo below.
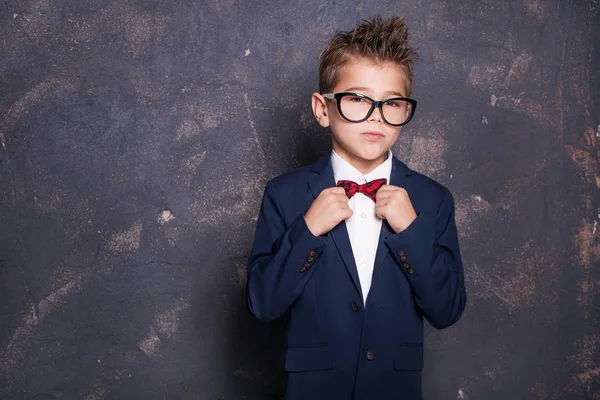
(356, 107)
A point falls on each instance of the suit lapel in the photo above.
(397, 178)
(324, 179)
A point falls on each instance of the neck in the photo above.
(362, 165)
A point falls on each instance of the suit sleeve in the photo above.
(281, 260)
(428, 253)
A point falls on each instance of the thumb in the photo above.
(348, 213)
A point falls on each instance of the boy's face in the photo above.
(362, 144)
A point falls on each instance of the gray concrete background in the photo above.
(136, 138)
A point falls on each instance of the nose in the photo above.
(376, 115)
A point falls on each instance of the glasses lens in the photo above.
(397, 112)
(356, 108)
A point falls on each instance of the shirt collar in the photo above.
(343, 170)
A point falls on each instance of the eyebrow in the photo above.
(364, 89)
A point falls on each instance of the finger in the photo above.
(342, 204)
(342, 194)
(340, 199)
(387, 188)
(381, 205)
(390, 194)
(337, 189)
(382, 195)
(381, 210)
(385, 193)
(333, 191)
(398, 194)
(347, 213)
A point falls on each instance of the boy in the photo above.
(357, 247)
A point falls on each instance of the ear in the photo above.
(319, 106)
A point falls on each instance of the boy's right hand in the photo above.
(329, 209)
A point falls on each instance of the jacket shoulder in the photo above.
(428, 186)
(429, 183)
(291, 179)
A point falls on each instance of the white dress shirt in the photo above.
(364, 226)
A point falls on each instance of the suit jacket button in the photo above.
(370, 355)
(355, 307)
(307, 265)
(303, 269)
(410, 270)
(400, 253)
(312, 253)
(309, 259)
(403, 259)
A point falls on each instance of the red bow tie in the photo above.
(368, 189)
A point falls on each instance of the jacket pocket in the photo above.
(309, 358)
(409, 357)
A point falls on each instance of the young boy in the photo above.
(357, 247)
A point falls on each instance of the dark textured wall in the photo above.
(136, 138)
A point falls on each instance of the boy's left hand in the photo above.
(393, 204)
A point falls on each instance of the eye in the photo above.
(393, 103)
(357, 99)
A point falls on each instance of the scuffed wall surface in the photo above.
(136, 138)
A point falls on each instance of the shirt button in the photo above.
(363, 216)
(370, 355)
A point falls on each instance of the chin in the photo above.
(372, 155)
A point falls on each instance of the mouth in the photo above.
(375, 136)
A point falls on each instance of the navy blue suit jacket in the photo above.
(337, 346)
